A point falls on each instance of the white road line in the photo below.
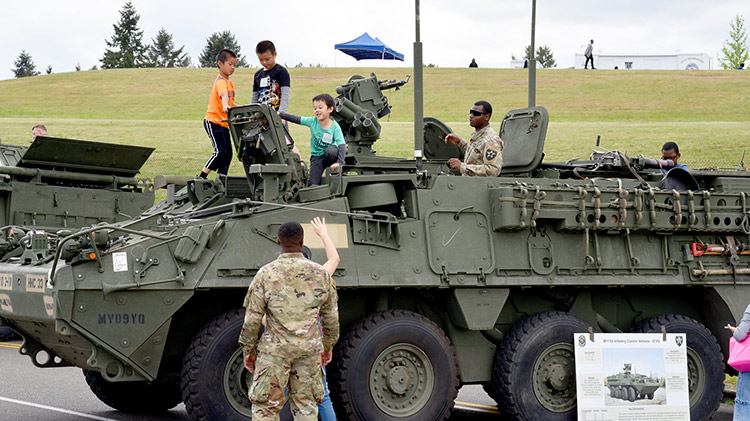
(52, 408)
(475, 409)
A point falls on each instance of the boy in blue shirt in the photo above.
(671, 152)
(327, 145)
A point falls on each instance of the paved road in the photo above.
(28, 393)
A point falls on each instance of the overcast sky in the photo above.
(62, 33)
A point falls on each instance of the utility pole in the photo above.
(532, 59)
(418, 97)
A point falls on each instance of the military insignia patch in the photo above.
(490, 154)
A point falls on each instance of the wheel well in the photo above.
(202, 307)
(355, 304)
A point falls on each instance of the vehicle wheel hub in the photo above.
(553, 376)
(558, 376)
(401, 380)
(696, 376)
(236, 383)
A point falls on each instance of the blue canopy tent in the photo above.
(365, 47)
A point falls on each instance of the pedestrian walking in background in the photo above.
(589, 54)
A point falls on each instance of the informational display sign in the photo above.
(631, 376)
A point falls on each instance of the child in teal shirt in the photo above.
(327, 145)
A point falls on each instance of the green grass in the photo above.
(707, 113)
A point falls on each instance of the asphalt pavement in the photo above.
(28, 393)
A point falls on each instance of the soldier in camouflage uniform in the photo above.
(483, 155)
(291, 291)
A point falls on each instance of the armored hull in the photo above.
(444, 281)
(632, 386)
(59, 184)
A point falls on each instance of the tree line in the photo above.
(126, 49)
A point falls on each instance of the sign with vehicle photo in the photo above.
(631, 376)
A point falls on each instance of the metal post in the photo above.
(532, 59)
(418, 100)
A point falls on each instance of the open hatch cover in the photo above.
(83, 156)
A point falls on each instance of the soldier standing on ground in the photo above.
(483, 154)
(291, 291)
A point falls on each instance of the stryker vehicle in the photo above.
(631, 386)
(444, 280)
(57, 183)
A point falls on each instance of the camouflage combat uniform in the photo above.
(483, 155)
(291, 291)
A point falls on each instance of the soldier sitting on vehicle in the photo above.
(39, 130)
(484, 152)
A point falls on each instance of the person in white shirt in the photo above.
(589, 54)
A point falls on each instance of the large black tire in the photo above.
(7, 334)
(705, 361)
(141, 397)
(537, 346)
(650, 396)
(631, 394)
(394, 365)
(212, 367)
(490, 391)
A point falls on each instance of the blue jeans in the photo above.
(742, 401)
(325, 409)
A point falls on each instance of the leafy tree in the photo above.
(527, 52)
(735, 48)
(217, 42)
(24, 65)
(162, 53)
(49, 69)
(543, 56)
(126, 45)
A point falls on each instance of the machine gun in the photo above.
(359, 106)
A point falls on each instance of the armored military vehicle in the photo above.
(57, 183)
(630, 386)
(444, 280)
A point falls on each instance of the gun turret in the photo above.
(260, 141)
(358, 108)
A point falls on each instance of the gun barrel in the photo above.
(658, 163)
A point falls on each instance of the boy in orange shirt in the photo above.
(221, 99)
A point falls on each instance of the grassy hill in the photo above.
(707, 113)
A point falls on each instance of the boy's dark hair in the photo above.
(671, 146)
(264, 46)
(486, 105)
(325, 98)
(291, 232)
(225, 55)
(40, 126)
